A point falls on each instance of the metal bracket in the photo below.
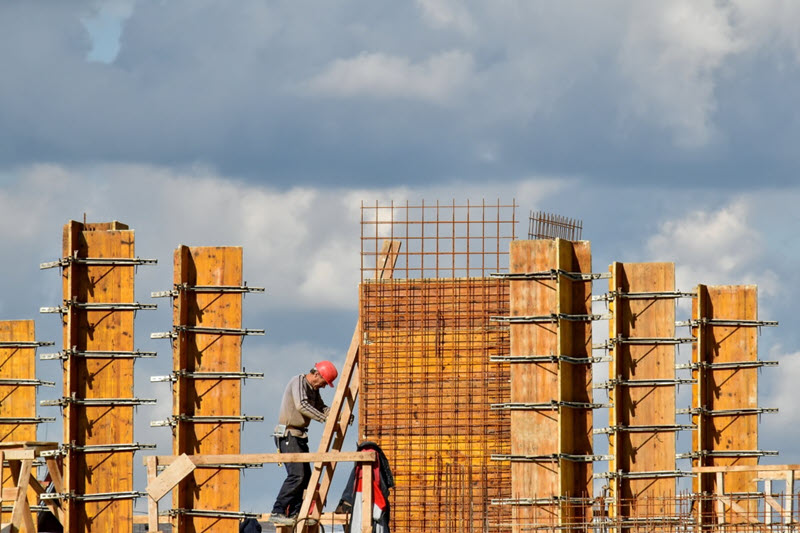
(551, 274)
(552, 318)
(206, 375)
(609, 344)
(642, 429)
(552, 406)
(204, 331)
(205, 289)
(27, 382)
(26, 420)
(97, 448)
(730, 365)
(97, 261)
(725, 453)
(663, 295)
(96, 402)
(23, 344)
(642, 383)
(547, 359)
(174, 420)
(211, 514)
(725, 322)
(550, 458)
(97, 354)
(97, 307)
(97, 497)
(643, 475)
(726, 412)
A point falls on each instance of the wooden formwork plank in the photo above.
(642, 405)
(207, 488)
(16, 401)
(427, 384)
(88, 330)
(726, 388)
(575, 380)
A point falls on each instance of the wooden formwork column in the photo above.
(538, 433)
(642, 391)
(725, 395)
(196, 397)
(17, 390)
(103, 419)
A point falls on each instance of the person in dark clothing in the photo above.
(301, 404)
(382, 482)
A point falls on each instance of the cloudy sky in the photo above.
(669, 128)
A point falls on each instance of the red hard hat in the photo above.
(327, 371)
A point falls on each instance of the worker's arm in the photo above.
(305, 405)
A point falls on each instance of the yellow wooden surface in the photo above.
(97, 378)
(728, 388)
(16, 401)
(208, 488)
(426, 389)
(643, 405)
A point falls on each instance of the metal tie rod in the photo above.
(551, 318)
(204, 331)
(98, 261)
(97, 448)
(726, 412)
(725, 453)
(642, 383)
(26, 420)
(525, 501)
(643, 475)
(96, 402)
(96, 354)
(547, 359)
(206, 375)
(552, 406)
(643, 429)
(727, 322)
(27, 382)
(647, 340)
(133, 306)
(97, 497)
(173, 420)
(24, 344)
(211, 514)
(553, 273)
(550, 458)
(662, 295)
(205, 289)
(730, 365)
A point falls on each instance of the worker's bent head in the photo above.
(327, 371)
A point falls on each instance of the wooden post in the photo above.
(152, 503)
(212, 489)
(643, 392)
(86, 329)
(367, 497)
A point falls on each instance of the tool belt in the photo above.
(282, 430)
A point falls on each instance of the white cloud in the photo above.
(671, 55)
(713, 247)
(442, 14)
(384, 76)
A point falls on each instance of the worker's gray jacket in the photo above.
(301, 404)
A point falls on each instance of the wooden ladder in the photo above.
(341, 408)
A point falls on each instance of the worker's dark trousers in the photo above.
(290, 497)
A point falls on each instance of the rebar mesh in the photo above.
(543, 225)
(439, 240)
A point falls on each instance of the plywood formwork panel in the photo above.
(16, 362)
(725, 389)
(426, 389)
(550, 432)
(89, 330)
(212, 489)
(636, 405)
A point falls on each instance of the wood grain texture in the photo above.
(207, 488)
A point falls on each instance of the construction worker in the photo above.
(301, 404)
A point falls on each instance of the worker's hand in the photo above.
(343, 508)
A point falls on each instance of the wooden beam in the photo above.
(171, 476)
(254, 458)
